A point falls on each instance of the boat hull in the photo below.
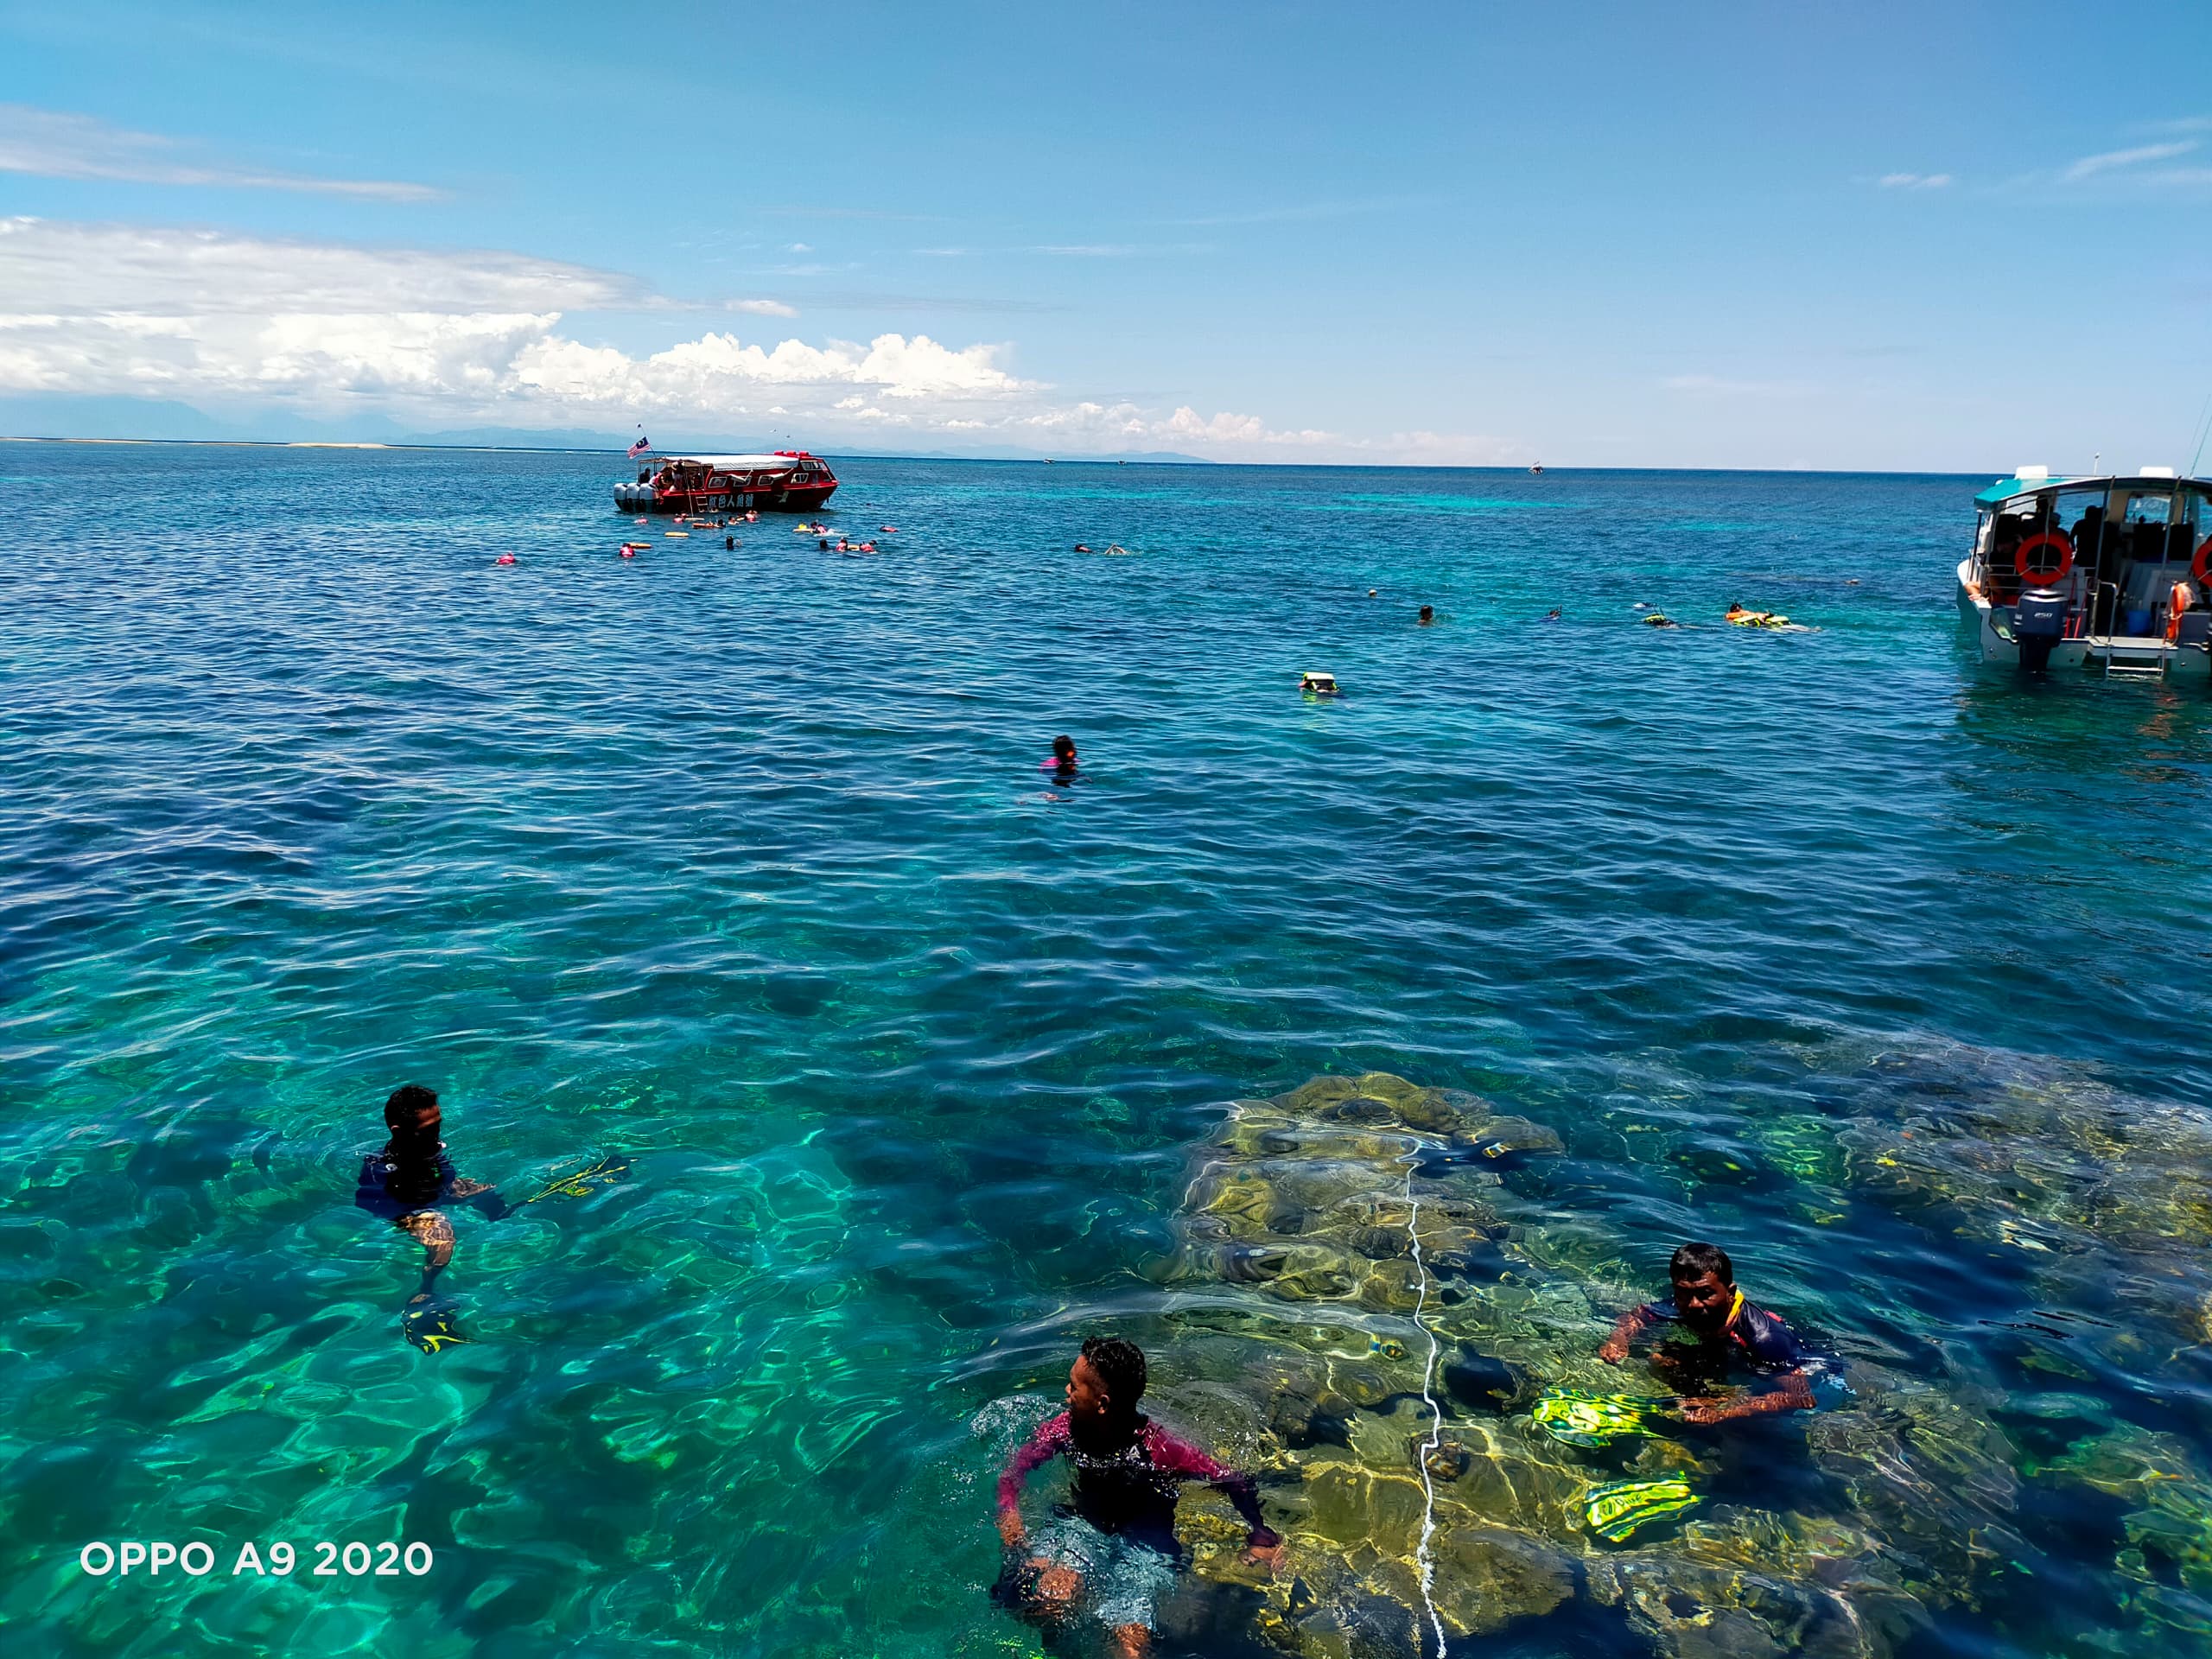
(640, 498)
(1991, 625)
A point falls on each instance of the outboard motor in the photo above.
(2038, 623)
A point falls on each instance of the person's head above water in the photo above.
(1064, 750)
(1428, 612)
(1705, 1287)
(1105, 1383)
(411, 1114)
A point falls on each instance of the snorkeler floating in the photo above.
(1061, 762)
(1740, 616)
(1729, 1335)
(1112, 1551)
(412, 1181)
(407, 1182)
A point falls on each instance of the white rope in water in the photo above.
(1422, 1559)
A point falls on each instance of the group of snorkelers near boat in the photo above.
(1738, 615)
(1108, 1553)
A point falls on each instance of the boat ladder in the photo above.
(2130, 658)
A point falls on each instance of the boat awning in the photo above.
(733, 463)
(2011, 489)
(2006, 489)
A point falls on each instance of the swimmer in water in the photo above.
(412, 1183)
(1083, 547)
(1727, 1336)
(1112, 1548)
(1428, 616)
(1061, 762)
(1552, 615)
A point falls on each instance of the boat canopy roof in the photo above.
(733, 463)
(2011, 489)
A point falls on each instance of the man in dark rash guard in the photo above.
(1115, 1539)
(410, 1183)
(1730, 1335)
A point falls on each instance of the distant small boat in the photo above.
(2107, 574)
(1537, 470)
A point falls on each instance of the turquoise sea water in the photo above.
(1883, 969)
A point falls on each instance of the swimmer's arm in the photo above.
(1793, 1391)
(1178, 1457)
(1040, 1448)
(481, 1197)
(1633, 1325)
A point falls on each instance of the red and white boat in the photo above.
(791, 480)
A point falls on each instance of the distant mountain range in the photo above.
(511, 437)
(61, 415)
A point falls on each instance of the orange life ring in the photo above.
(2035, 575)
(2197, 566)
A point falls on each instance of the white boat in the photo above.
(2106, 575)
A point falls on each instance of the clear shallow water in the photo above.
(1832, 946)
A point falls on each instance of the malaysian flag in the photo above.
(640, 446)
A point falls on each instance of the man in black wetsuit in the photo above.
(1728, 1334)
(409, 1182)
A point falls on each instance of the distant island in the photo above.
(133, 420)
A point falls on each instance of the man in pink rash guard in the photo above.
(1115, 1539)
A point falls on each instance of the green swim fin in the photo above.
(603, 1173)
(1583, 1418)
(1617, 1509)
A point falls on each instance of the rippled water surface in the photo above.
(1885, 972)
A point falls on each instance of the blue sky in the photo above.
(1912, 237)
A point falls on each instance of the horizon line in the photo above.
(1023, 460)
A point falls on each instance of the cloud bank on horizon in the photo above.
(223, 320)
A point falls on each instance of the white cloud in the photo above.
(106, 308)
(2089, 165)
(231, 322)
(799, 247)
(760, 307)
(48, 264)
(1914, 180)
(52, 144)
